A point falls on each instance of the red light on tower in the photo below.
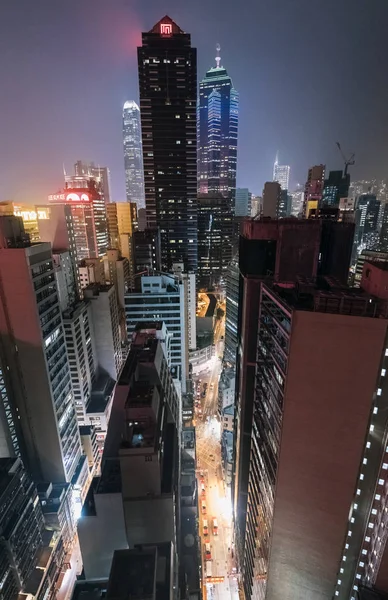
(166, 29)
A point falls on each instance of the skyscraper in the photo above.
(336, 186)
(100, 174)
(217, 130)
(271, 199)
(89, 220)
(133, 154)
(215, 229)
(281, 174)
(34, 351)
(168, 97)
(243, 202)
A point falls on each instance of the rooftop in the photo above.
(101, 393)
(90, 590)
(326, 295)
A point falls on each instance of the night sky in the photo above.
(309, 73)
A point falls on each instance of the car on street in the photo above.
(203, 489)
(205, 528)
(203, 507)
(208, 552)
(215, 526)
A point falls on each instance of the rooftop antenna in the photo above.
(218, 57)
(64, 170)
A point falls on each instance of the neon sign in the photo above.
(73, 197)
(165, 29)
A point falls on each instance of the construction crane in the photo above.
(348, 161)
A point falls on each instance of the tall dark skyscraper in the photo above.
(217, 129)
(336, 186)
(168, 97)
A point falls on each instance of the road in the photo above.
(68, 582)
(218, 504)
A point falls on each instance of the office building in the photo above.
(117, 273)
(162, 298)
(106, 325)
(256, 205)
(243, 206)
(146, 251)
(215, 230)
(80, 344)
(231, 315)
(122, 223)
(89, 220)
(189, 284)
(134, 501)
(168, 98)
(271, 199)
(335, 187)
(313, 189)
(284, 208)
(366, 256)
(320, 450)
(384, 229)
(297, 201)
(38, 373)
(22, 527)
(217, 130)
(101, 175)
(281, 174)
(366, 217)
(133, 154)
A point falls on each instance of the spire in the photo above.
(218, 57)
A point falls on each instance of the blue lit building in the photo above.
(217, 128)
(336, 186)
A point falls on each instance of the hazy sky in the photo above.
(309, 73)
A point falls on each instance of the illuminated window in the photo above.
(379, 391)
(375, 410)
(367, 538)
(364, 462)
(371, 428)
(365, 552)
(368, 444)
(385, 466)
(377, 497)
(383, 371)
(381, 481)
(362, 476)
(374, 511)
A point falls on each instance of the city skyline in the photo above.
(269, 120)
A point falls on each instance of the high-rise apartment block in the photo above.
(168, 98)
(79, 335)
(35, 357)
(101, 175)
(122, 223)
(317, 472)
(106, 325)
(162, 297)
(281, 174)
(133, 154)
(215, 229)
(231, 317)
(217, 128)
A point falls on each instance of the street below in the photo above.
(218, 567)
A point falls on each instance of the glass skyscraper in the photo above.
(217, 129)
(133, 154)
(281, 174)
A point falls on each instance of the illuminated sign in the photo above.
(70, 197)
(165, 29)
(57, 198)
(31, 215)
(214, 579)
(73, 197)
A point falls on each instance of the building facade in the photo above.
(133, 154)
(215, 230)
(243, 206)
(99, 174)
(162, 298)
(42, 401)
(335, 187)
(217, 131)
(168, 98)
(281, 174)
